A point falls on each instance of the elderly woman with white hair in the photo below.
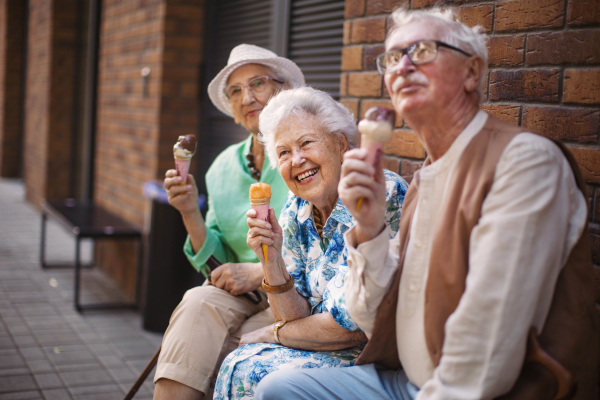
(306, 134)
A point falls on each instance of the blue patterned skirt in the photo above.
(245, 367)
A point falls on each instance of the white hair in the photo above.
(453, 32)
(333, 116)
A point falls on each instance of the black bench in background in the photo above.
(86, 220)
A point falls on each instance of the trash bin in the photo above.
(168, 272)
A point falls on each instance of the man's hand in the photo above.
(184, 197)
(361, 180)
(262, 335)
(237, 278)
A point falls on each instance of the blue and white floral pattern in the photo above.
(319, 268)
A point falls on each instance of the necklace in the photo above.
(253, 171)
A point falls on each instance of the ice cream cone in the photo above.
(183, 151)
(375, 129)
(260, 199)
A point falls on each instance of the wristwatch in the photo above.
(276, 327)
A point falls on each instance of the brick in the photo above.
(507, 113)
(506, 50)
(588, 160)
(365, 84)
(527, 14)
(424, 3)
(404, 143)
(562, 123)
(352, 105)
(583, 12)
(596, 206)
(370, 53)
(343, 84)
(347, 32)
(392, 163)
(582, 86)
(384, 6)
(408, 169)
(524, 85)
(352, 58)
(479, 14)
(354, 8)
(370, 30)
(571, 46)
(366, 104)
(595, 245)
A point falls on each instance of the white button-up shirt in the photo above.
(531, 219)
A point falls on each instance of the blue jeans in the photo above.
(358, 382)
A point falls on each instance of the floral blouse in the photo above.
(318, 267)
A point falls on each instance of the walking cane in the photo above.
(136, 386)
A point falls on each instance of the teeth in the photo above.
(307, 174)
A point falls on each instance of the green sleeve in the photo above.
(213, 246)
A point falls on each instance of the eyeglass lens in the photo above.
(256, 85)
(418, 53)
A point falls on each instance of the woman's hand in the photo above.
(183, 197)
(357, 182)
(262, 232)
(262, 335)
(237, 278)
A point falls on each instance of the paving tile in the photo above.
(6, 342)
(111, 360)
(28, 395)
(75, 354)
(113, 388)
(37, 366)
(86, 377)
(59, 339)
(33, 353)
(17, 383)
(13, 371)
(58, 394)
(123, 375)
(12, 361)
(79, 367)
(49, 381)
(25, 341)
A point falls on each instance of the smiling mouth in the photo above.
(304, 176)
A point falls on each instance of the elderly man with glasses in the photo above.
(489, 293)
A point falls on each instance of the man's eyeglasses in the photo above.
(256, 85)
(418, 53)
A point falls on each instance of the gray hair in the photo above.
(333, 116)
(454, 32)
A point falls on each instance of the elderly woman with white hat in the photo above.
(210, 320)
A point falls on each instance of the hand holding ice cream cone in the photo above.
(375, 128)
(260, 199)
(183, 151)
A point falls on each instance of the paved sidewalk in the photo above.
(47, 350)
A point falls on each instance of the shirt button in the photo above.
(418, 243)
(412, 287)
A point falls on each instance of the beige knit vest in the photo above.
(570, 333)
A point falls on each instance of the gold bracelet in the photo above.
(276, 328)
(278, 289)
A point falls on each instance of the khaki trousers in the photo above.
(204, 328)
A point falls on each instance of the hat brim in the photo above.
(282, 67)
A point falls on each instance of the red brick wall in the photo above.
(136, 131)
(11, 79)
(544, 59)
(48, 104)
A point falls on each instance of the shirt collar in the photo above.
(457, 147)
(340, 213)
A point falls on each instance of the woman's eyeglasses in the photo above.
(418, 53)
(256, 85)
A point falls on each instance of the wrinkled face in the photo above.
(248, 106)
(310, 159)
(426, 88)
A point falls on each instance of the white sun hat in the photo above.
(250, 54)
